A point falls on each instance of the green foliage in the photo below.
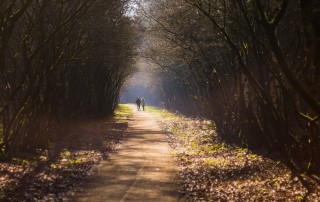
(162, 113)
(122, 113)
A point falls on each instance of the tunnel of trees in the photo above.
(250, 66)
(59, 59)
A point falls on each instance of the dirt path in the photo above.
(140, 170)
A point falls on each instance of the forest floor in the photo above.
(207, 168)
(48, 175)
(212, 170)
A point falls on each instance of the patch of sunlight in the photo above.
(214, 162)
(54, 165)
(212, 149)
(190, 153)
(65, 154)
(162, 113)
(73, 162)
(241, 150)
(209, 125)
(194, 145)
(43, 158)
(25, 162)
(122, 113)
(123, 110)
(253, 156)
(174, 152)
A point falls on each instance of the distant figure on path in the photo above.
(143, 102)
(138, 103)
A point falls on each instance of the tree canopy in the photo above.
(251, 66)
(60, 59)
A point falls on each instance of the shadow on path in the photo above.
(140, 170)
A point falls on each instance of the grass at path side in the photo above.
(122, 112)
(162, 113)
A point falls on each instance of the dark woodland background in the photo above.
(252, 67)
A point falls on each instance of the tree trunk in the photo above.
(311, 29)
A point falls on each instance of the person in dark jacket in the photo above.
(138, 102)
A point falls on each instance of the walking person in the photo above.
(143, 102)
(138, 102)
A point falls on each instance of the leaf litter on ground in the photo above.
(212, 170)
(50, 174)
